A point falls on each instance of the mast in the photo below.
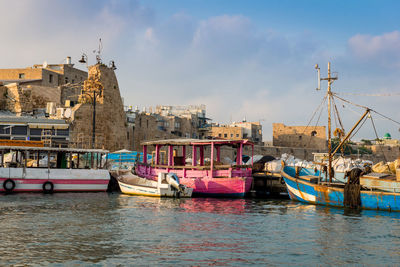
(330, 80)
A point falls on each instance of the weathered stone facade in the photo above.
(48, 75)
(226, 132)
(299, 136)
(111, 132)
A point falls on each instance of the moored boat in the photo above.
(362, 188)
(213, 179)
(309, 189)
(167, 185)
(48, 170)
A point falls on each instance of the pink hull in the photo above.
(238, 186)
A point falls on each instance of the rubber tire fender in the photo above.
(45, 188)
(6, 188)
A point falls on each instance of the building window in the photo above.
(66, 79)
(231, 135)
(73, 81)
(177, 125)
(300, 137)
(225, 135)
(21, 76)
(219, 135)
(237, 135)
(51, 78)
(313, 133)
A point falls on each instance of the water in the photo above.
(112, 229)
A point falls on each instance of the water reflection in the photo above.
(57, 228)
(115, 229)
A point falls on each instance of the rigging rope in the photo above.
(376, 134)
(360, 94)
(347, 101)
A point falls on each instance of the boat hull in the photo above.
(63, 180)
(224, 183)
(303, 191)
(135, 185)
(218, 187)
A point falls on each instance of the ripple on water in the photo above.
(113, 229)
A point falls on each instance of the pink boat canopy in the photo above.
(198, 147)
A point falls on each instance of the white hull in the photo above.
(32, 179)
(134, 185)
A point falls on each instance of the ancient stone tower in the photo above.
(110, 120)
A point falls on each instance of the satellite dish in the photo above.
(45, 64)
(67, 113)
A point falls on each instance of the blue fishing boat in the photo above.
(309, 189)
(361, 190)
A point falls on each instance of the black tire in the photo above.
(48, 187)
(8, 185)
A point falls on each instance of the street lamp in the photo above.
(93, 94)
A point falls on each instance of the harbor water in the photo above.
(101, 229)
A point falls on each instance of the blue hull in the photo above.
(307, 192)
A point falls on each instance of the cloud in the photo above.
(383, 49)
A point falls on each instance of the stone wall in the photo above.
(17, 99)
(42, 94)
(111, 131)
(299, 136)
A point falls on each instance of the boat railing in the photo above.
(151, 170)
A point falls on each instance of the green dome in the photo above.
(387, 136)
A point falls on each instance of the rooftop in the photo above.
(183, 141)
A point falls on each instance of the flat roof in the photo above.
(28, 119)
(53, 149)
(187, 141)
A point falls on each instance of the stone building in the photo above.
(299, 136)
(110, 126)
(169, 122)
(238, 130)
(44, 74)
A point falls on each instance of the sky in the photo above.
(250, 60)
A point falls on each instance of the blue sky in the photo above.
(252, 59)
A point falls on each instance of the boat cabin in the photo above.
(51, 157)
(193, 158)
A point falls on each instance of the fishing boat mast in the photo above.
(330, 80)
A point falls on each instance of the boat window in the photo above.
(35, 131)
(19, 130)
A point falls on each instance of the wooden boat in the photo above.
(48, 170)
(214, 179)
(361, 190)
(167, 185)
(308, 189)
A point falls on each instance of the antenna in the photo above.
(319, 76)
(98, 52)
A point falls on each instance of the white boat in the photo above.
(167, 185)
(48, 170)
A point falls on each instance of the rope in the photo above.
(360, 94)
(347, 101)
(376, 134)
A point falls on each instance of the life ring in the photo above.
(8, 185)
(48, 187)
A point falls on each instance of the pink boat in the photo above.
(48, 170)
(211, 179)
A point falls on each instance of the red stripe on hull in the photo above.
(58, 181)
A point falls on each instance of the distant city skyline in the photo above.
(252, 59)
